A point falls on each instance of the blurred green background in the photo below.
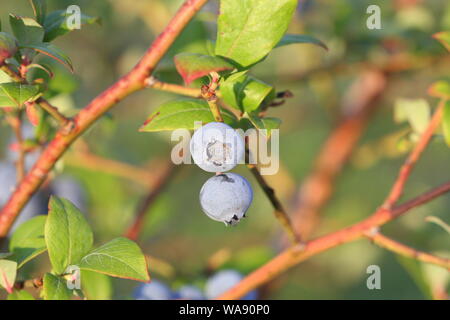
(185, 243)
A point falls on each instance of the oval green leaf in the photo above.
(120, 258)
(243, 92)
(182, 114)
(52, 51)
(67, 234)
(13, 94)
(55, 288)
(28, 241)
(249, 30)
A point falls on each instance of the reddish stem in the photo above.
(134, 80)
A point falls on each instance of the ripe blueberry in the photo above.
(190, 292)
(222, 282)
(155, 290)
(226, 197)
(216, 147)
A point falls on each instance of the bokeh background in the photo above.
(184, 245)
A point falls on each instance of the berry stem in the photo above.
(209, 94)
(279, 211)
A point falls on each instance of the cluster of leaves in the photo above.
(68, 239)
(247, 32)
(417, 112)
(30, 38)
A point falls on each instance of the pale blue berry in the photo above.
(226, 197)
(216, 147)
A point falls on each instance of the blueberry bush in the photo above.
(92, 195)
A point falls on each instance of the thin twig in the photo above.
(384, 214)
(297, 254)
(154, 83)
(397, 247)
(412, 159)
(209, 94)
(52, 110)
(280, 212)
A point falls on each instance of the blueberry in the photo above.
(222, 282)
(216, 147)
(155, 290)
(226, 197)
(190, 292)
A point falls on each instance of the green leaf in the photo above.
(183, 113)
(67, 234)
(55, 24)
(120, 258)
(20, 295)
(249, 30)
(8, 272)
(444, 38)
(243, 92)
(52, 51)
(27, 30)
(55, 288)
(415, 111)
(28, 240)
(440, 89)
(8, 46)
(39, 9)
(264, 123)
(192, 66)
(13, 94)
(96, 286)
(446, 122)
(300, 38)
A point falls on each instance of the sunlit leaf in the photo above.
(244, 92)
(444, 38)
(8, 272)
(39, 9)
(192, 66)
(56, 23)
(20, 295)
(27, 30)
(415, 111)
(55, 288)
(52, 51)
(440, 89)
(13, 94)
(67, 234)
(28, 241)
(182, 114)
(249, 30)
(120, 258)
